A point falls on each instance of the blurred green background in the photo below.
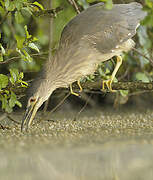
(25, 43)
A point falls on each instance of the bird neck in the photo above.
(55, 71)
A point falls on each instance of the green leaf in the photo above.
(34, 39)
(28, 36)
(2, 2)
(14, 75)
(109, 4)
(1, 57)
(11, 6)
(7, 3)
(2, 49)
(142, 77)
(27, 9)
(33, 46)
(26, 56)
(18, 17)
(20, 41)
(21, 75)
(101, 72)
(23, 83)
(12, 100)
(107, 71)
(22, 54)
(85, 4)
(6, 91)
(4, 101)
(18, 103)
(5, 104)
(124, 93)
(3, 81)
(18, 4)
(12, 80)
(2, 11)
(149, 3)
(39, 5)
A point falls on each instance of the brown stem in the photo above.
(120, 85)
(92, 87)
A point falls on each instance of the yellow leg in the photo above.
(109, 81)
(79, 85)
(72, 92)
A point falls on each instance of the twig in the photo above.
(139, 92)
(150, 60)
(51, 12)
(74, 4)
(124, 75)
(19, 57)
(84, 96)
(1, 118)
(10, 118)
(59, 104)
(10, 60)
(84, 106)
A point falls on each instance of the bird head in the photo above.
(39, 93)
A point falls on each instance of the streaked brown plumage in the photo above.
(93, 36)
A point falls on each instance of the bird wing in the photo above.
(105, 29)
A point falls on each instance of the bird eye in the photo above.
(32, 100)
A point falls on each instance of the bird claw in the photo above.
(108, 84)
(80, 89)
(76, 94)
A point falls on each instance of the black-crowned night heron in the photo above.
(93, 36)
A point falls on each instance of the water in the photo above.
(100, 144)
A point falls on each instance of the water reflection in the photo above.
(130, 161)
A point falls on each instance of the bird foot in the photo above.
(108, 84)
(80, 89)
(76, 94)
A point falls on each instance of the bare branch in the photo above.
(10, 60)
(19, 57)
(84, 106)
(120, 85)
(51, 12)
(92, 87)
(74, 4)
(58, 105)
(11, 119)
(150, 60)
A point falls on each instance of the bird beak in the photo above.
(29, 115)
